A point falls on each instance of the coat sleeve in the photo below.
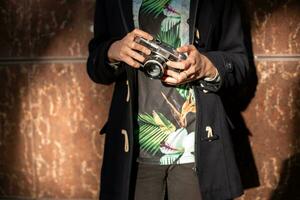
(98, 67)
(230, 56)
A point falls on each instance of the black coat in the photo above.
(221, 40)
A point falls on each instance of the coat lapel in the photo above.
(193, 18)
(125, 7)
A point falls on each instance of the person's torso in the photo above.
(166, 114)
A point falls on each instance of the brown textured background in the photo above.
(50, 112)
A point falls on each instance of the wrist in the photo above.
(212, 72)
(110, 53)
(214, 76)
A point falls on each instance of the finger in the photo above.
(183, 49)
(179, 65)
(129, 38)
(191, 60)
(131, 62)
(140, 48)
(193, 71)
(135, 55)
(180, 77)
(193, 54)
(138, 32)
(186, 48)
(170, 80)
(171, 73)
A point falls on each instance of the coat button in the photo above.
(128, 91)
(126, 140)
(229, 67)
(197, 34)
(210, 135)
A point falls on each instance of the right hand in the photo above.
(128, 51)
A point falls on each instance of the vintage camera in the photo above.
(155, 63)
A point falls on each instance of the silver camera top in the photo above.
(158, 47)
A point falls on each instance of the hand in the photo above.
(196, 66)
(128, 51)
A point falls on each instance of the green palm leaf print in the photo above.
(169, 22)
(170, 37)
(183, 90)
(153, 129)
(155, 7)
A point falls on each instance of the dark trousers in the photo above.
(175, 182)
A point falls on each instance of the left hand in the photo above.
(196, 66)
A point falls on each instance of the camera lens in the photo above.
(154, 68)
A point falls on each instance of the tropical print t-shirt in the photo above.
(166, 115)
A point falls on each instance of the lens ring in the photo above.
(153, 69)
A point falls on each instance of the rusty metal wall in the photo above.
(50, 112)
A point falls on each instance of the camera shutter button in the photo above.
(158, 41)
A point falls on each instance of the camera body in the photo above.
(155, 63)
